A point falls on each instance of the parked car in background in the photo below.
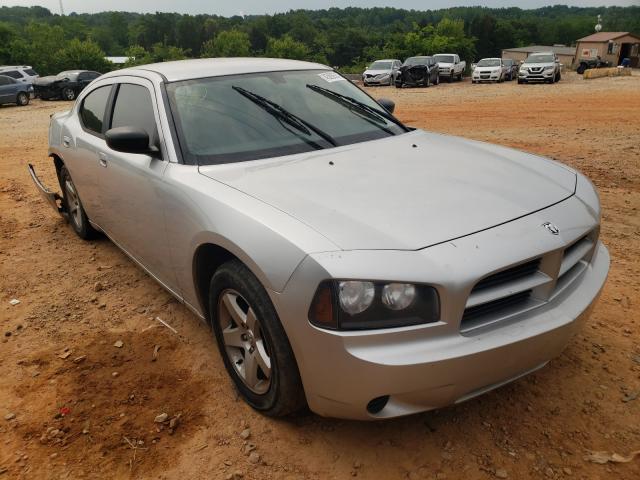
(450, 66)
(489, 70)
(14, 91)
(381, 72)
(540, 67)
(65, 85)
(421, 71)
(587, 63)
(511, 67)
(23, 74)
(342, 259)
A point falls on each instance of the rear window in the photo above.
(93, 107)
(13, 74)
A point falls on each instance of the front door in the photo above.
(130, 184)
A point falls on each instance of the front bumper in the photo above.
(486, 77)
(544, 76)
(430, 366)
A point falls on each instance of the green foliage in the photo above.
(348, 38)
(86, 55)
(287, 47)
(138, 55)
(230, 43)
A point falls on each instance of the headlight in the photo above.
(362, 305)
(355, 297)
(398, 296)
(548, 69)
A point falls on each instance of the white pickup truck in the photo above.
(450, 66)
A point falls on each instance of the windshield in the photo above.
(540, 59)
(508, 62)
(444, 58)
(380, 66)
(489, 62)
(261, 115)
(70, 75)
(416, 61)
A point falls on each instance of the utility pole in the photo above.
(61, 8)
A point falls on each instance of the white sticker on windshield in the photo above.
(331, 77)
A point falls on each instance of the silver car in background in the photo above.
(343, 260)
(381, 72)
(540, 67)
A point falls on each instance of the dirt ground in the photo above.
(73, 405)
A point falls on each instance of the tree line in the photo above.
(346, 38)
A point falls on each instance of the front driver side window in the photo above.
(134, 108)
(93, 107)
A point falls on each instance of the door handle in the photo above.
(66, 141)
(102, 159)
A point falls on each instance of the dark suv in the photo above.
(66, 85)
(418, 72)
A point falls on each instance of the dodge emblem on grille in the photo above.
(551, 227)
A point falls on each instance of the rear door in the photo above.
(7, 89)
(130, 185)
(82, 139)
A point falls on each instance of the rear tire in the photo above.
(68, 94)
(22, 99)
(253, 345)
(581, 68)
(76, 215)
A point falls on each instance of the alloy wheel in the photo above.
(73, 203)
(244, 343)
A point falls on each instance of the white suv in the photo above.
(23, 73)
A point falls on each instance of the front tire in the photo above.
(254, 346)
(68, 94)
(22, 99)
(73, 207)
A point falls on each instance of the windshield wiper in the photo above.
(285, 115)
(352, 103)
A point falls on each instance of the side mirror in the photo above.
(473, 66)
(388, 105)
(128, 140)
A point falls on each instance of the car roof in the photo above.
(386, 60)
(13, 67)
(217, 67)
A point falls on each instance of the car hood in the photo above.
(537, 65)
(46, 80)
(405, 192)
(488, 69)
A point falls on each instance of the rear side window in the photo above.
(5, 80)
(93, 107)
(134, 108)
(12, 74)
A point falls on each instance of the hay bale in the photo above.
(606, 72)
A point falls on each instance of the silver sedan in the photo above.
(342, 259)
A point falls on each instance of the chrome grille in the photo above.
(517, 289)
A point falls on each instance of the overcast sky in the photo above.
(240, 7)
